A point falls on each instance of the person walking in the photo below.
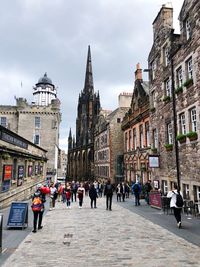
(176, 203)
(53, 196)
(137, 190)
(93, 196)
(68, 197)
(38, 200)
(118, 191)
(108, 192)
(147, 188)
(81, 194)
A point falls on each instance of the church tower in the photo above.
(87, 112)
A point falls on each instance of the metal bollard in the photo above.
(1, 229)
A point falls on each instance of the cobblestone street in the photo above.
(97, 237)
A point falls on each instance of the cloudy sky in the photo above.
(52, 36)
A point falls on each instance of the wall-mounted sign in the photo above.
(30, 171)
(154, 161)
(6, 177)
(20, 175)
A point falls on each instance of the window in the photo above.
(134, 139)
(169, 133)
(147, 137)
(153, 68)
(130, 140)
(186, 191)
(189, 69)
(126, 142)
(36, 139)
(193, 120)
(166, 55)
(182, 123)
(153, 99)
(168, 90)
(118, 120)
(3, 121)
(164, 187)
(141, 137)
(179, 77)
(37, 122)
(155, 138)
(188, 29)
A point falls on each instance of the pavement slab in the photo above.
(100, 238)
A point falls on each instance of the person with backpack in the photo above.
(108, 192)
(176, 203)
(93, 196)
(38, 200)
(136, 188)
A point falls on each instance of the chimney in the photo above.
(138, 72)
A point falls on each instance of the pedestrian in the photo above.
(147, 189)
(53, 196)
(38, 200)
(93, 196)
(123, 188)
(118, 191)
(136, 191)
(108, 192)
(176, 197)
(68, 197)
(60, 192)
(81, 194)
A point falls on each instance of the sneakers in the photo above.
(34, 231)
(40, 227)
(179, 225)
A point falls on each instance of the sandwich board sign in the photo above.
(18, 216)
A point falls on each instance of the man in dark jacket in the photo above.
(93, 196)
(108, 192)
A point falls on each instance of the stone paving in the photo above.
(99, 238)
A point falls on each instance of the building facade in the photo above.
(108, 158)
(22, 166)
(37, 122)
(81, 148)
(135, 127)
(175, 99)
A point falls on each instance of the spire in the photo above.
(70, 133)
(88, 75)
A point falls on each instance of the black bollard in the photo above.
(1, 229)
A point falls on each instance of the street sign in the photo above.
(18, 216)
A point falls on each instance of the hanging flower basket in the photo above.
(166, 99)
(179, 90)
(192, 136)
(169, 147)
(6, 156)
(188, 82)
(181, 138)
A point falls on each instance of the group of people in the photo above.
(71, 191)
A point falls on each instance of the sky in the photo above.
(52, 36)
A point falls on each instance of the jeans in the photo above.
(95, 201)
(108, 202)
(37, 214)
(177, 214)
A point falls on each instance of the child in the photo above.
(68, 197)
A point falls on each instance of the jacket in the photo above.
(172, 195)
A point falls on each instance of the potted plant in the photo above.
(188, 82)
(152, 109)
(181, 138)
(169, 147)
(192, 135)
(154, 150)
(179, 90)
(5, 156)
(166, 98)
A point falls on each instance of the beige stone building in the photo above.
(175, 99)
(22, 166)
(62, 167)
(135, 127)
(108, 145)
(37, 122)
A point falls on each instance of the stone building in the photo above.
(22, 166)
(175, 98)
(62, 167)
(108, 159)
(135, 127)
(81, 148)
(37, 122)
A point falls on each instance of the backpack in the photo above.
(37, 204)
(136, 188)
(179, 200)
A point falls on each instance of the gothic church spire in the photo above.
(89, 88)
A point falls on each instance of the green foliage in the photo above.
(188, 82)
(179, 89)
(192, 135)
(167, 98)
(181, 137)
